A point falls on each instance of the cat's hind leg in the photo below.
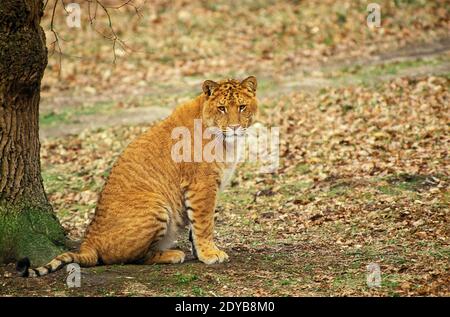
(127, 232)
(163, 251)
(165, 257)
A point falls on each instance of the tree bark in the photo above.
(28, 226)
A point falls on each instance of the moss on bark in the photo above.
(29, 232)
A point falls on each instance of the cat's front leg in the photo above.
(200, 201)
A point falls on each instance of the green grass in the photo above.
(72, 114)
(53, 182)
(198, 291)
(389, 190)
(436, 251)
(391, 282)
(407, 181)
(286, 282)
(349, 280)
(99, 269)
(337, 191)
(52, 118)
(236, 197)
(56, 181)
(295, 187)
(366, 74)
(185, 278)
(302, 169)
(365, 253)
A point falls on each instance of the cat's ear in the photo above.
(250, 83)
(209, 86)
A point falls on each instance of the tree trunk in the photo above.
(28, 226)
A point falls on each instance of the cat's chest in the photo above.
(229, 169)
(226, 176)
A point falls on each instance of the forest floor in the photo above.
(364, 164)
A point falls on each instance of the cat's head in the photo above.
(230, 105)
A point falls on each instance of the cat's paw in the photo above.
(213, 256)
(167, 257)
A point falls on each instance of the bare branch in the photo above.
(55, 43)
(45, 5)
(92, 16)
(64, 6)
(114, 38)
(120, 6)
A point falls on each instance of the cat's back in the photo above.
(147, 162)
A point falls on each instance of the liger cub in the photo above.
(149, 196)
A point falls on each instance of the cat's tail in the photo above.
(86, 257)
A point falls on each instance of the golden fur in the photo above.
(149, 197)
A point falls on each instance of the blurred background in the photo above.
(164, 49)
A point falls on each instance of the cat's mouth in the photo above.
(234, 133)
(230, 134)
(233, 137)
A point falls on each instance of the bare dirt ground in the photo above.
(364, 165)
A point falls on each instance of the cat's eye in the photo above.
(242, 108)
(222, 109)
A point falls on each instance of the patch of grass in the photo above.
(236, 197)
(52, 118)
(55, 181)
(265, 85)
(365, 253)
(341, 17)
(99, 269)
(82, 209)
(308, 267)
(185, 278)
(366, 196)
(398, 259)
(198, 291)
(388, 190)
(346, 108)
(165, 59)
(349, 280)
(337, 190)
(71, 114)
(295, 187)
(366, 74)
(328, 40)
(302, 169)
(417, 3)
(286, 282)
(390, 281)
(396, 184)
(408, 181)
(438, 252)
(446, 198)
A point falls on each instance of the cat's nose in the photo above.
(234, 127)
